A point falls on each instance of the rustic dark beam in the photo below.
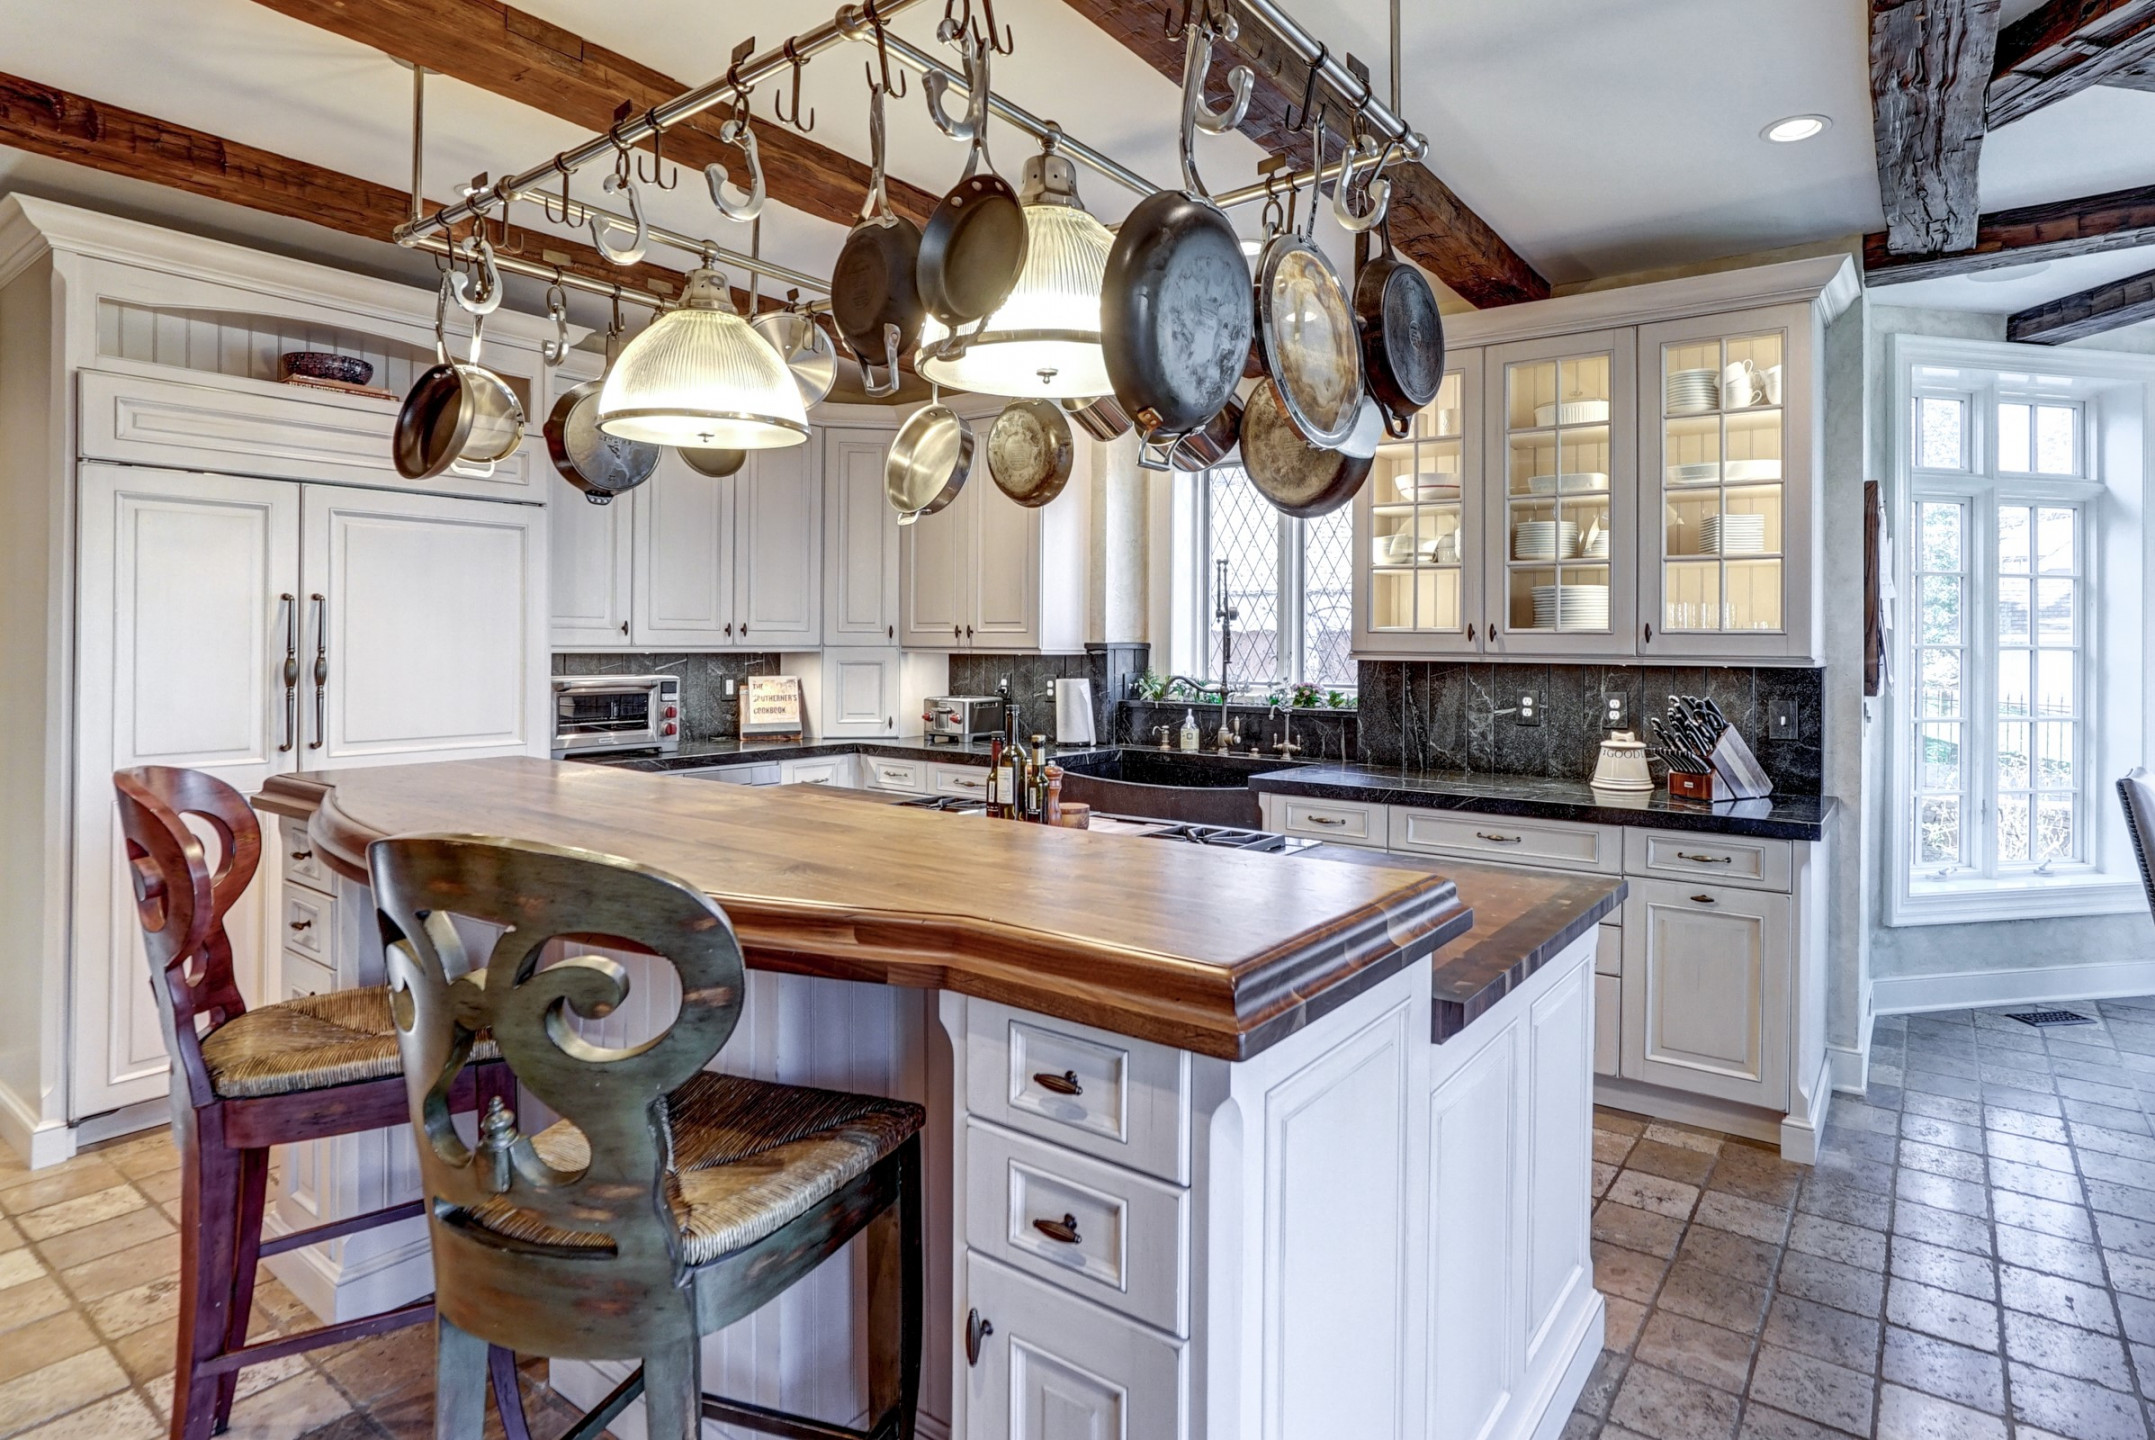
(515, 55)
(2140, 75)
(2118, 220)
(2093, 311)
(1429, 222)
(1930, 73)
(64, 126)
(2063, 47)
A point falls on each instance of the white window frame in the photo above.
(1291, 571)
(2113, 395)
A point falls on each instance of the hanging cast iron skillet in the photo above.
(1301, 479)
(928, 462)
(973, 250)
(875, 297)
(1306, 331)
(1030, 451)
(1402, 336)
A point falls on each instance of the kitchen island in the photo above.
(1294, 1214)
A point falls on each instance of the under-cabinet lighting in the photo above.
(1796, 127)
(700, 376)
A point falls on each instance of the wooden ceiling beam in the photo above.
(1430, 223)
(507, 52)
(2093, 311)
(2063, 47)
(1930, 76)
(64, 126)
(2118, 220)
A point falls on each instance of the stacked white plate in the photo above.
(1741, 470)
(1694, 392)
(1430, 485)
(1573, 412)
(1574, 607)
(1573, 482)
(1732, 534)
(1703, 473)
(1598, 547)
(1545, 540)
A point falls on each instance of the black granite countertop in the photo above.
(701, 754)
(1777, 817)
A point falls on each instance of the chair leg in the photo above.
(673, 1392)
(896, 1304)
(209, 1200)
(460, 1374)
(247, 1248)
(508, 1392)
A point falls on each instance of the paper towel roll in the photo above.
(1073, 713)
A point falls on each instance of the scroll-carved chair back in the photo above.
(182, 901)
(535, 1252)
(2136, 792)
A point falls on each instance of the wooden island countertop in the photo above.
(1214, 951)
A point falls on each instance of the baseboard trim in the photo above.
(1800, 1129)
(1852, 1063)
(127, 1120)
(2099, 980)
(1563, 1397)
(40, 1142)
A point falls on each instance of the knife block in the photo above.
(1693, 787)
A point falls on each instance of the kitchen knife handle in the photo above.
(1063, 1084)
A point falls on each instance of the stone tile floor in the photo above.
(89, 1299)
(1972, 1257)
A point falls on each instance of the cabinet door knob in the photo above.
(890, 632)
(624, 629)
(1470, 632)
(1062, 1232)
(1649, 632)
(1063, 1084)
(302, 855)
(977, 1328)
(1702, 899)
(956, 633)
(968, 632)
(744, 627)
(302, 924)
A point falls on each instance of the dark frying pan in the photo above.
(875, 297)
(1402, 336)
(1301, 479)
(973, 250)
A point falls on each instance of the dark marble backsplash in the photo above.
(1112, 668)
(1460, 715)
(1322, 734)
(706, 712)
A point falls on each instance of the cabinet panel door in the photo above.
(935, 566)
(683, 559)
(1474, 1134)
(1418, 529)
(1006, 567)
(431, 626)
(589, 549)
(778, 550)
(188, 594)
(1706, 990)
(860, 549)
(1559, 1154)
(1054, 1367)
(860, 693)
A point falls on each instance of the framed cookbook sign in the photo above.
(771, 706)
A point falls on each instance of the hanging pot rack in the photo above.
(545, 185)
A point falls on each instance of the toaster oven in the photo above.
(594, 714)
(958, 719)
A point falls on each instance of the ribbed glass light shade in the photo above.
(699, 376)
(1046, 338)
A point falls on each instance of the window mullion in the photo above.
(1982, 749)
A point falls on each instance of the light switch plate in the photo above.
(1615, 711)
(1529, 708)
(1781, 720)
(732, 687)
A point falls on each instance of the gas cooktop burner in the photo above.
(955, 804)
(1231, 838)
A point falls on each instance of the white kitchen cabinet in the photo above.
(860, 541)
(989, 574)
(1418, 527)
(1707, 1003)
(590, 565)
(728, 563)
(935, 557)
(859, 695)
(778, 550)
(1054, 1367)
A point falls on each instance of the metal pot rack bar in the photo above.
(540, 270)
(852, 23)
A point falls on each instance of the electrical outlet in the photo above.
(1781, 720)
(1529, 708)
(1615, 711)
(732, 687)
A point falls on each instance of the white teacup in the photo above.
(1770, 379)
(1739, 385)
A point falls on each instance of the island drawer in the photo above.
(1722, 859)
(1091, 1228)
(969, 780)
(1344, 822)
(1106, 1095)
(308, 919)
(1049, 1363)
(834, 770)
(302, 866)
(883, 774)
(1551, 843)
(304, 975)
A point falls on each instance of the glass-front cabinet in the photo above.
(1726, 482)
(1419, 517)
(1559, 529)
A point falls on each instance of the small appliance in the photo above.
(596, 714)
(961, 719)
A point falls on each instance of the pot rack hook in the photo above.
(1377, 189)
(882, 56)
(935, 84)
(793, 58)
(603, 226)
(1199, 35)
(657, 178)
(739, 133)
(556, 350)
(1239, 82)
(546, 202)
(1274, 216)
(485, 297)
(1300, 121)
(1000, 40)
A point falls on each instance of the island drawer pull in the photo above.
(1063, 1084)
(966, 784)
(1325, 820)
(302, 855)
(1706, 859)
(302, 924)
(1499, 839)
(977, 1328)
(1703, 899)
(1062, 1232)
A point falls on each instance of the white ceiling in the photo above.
(1590, 135)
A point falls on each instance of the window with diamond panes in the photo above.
(1291, 583)
(1245, 533)
(1941, 655)
(1328, 599)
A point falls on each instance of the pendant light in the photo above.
(700, 376)
(1045, 340)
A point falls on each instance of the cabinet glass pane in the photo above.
(1722, 484)
(1417, 513)
(1559, 434)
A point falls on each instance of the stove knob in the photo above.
(668, 728)
(668, 713)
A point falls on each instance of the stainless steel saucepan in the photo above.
(929, 461)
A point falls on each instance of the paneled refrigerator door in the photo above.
(189, 606)
(1418, 529)
(1726, 425)
(425, 634)
(1561, 489)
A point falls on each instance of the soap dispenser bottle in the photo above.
(1189, 730)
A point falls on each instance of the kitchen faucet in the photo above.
(1287, 745)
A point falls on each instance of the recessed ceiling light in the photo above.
(1794, 128)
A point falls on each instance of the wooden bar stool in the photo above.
(244, 1080)
(670, 1201)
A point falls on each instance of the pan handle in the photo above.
(1399, 427)
(890, 383)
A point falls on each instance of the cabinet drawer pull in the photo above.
(302, 924)
(1706, 859)
(977, 1328)
(1499, 839)
(817, 780)
(1324, 820)
(1062, 1232)
(302, 856)
(968, 784)
(1063, 1084)
(1702, 899)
